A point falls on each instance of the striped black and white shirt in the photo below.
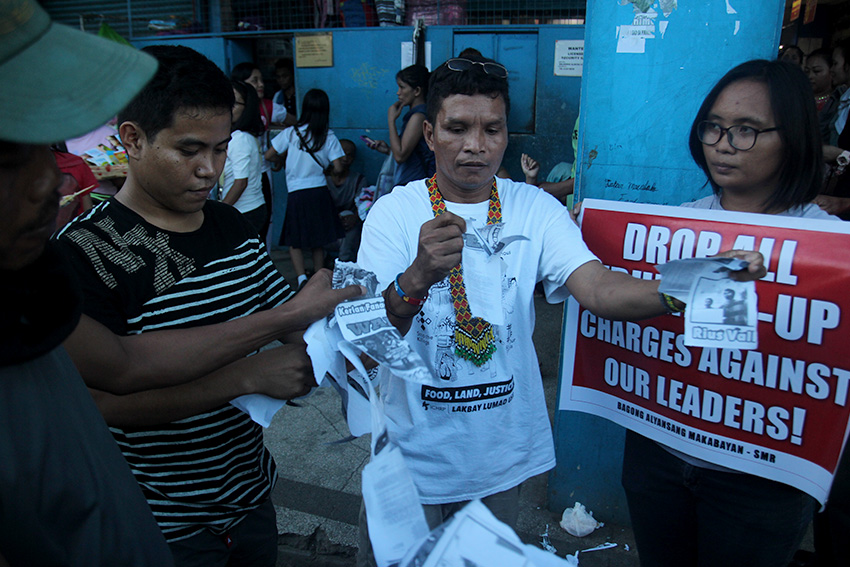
(209, 470)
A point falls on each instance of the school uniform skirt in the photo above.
(311, 220)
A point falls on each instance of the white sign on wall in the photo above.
(569, 57)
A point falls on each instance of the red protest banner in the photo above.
(780, 411)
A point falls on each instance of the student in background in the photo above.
(310, 148)
(414, 160)
(249, 72)
(283, 101)
(345, 187)
(242, 184)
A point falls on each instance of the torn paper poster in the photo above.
(395, 516)
(474, 536)
(363, 321)
(668, 7)
(721, 312)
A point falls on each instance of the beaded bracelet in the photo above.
(669, 304)
(393, 313)
(406, 298)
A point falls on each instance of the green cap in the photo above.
(57, 82)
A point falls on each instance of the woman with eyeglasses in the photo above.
(414, 159)
(756, 138)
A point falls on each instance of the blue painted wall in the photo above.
(637, 112)
(361, 86)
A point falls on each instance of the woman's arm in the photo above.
(235, 191)
(402, 146)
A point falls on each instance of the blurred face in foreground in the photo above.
(29, 199)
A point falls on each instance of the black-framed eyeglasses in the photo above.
(740, 137)
(491, 68)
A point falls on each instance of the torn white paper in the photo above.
(474, 536)
(721, 312)
(394, 514)
(482, 277)
(260, 407)
(363, 321)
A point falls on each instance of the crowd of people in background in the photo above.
(828, 71)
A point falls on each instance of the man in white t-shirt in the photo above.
(481, 427)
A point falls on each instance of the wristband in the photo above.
(843, 160)
(406, 298)
(393, 313)
(669, 304)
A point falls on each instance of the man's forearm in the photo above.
(282, 373)
(123, 365)
(164, 405)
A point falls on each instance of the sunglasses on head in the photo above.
(459, 64)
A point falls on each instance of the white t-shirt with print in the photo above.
(244, 162)
(302, 171)
(808, 211)
(474, 431)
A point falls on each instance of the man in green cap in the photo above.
(67, 496)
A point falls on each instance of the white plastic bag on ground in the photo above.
(578, 521)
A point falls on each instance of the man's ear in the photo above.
(132, 138)
(428, 133)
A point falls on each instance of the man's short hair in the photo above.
(445, 82)
(185, 80)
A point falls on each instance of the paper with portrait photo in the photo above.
(721, 312)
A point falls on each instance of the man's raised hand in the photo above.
(317, 298)
(439, 250)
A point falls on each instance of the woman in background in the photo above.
(818, 65)
(242, 176)
(248, 72)
(756, 138)
(414, 159)
(311, 148)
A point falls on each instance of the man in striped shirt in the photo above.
(160, 256)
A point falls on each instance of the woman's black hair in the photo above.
(823, 53)
(315, 114)
(793, 106)
(242, 71)
(416, 76)
(250, 120)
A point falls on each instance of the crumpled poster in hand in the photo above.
(363, 322)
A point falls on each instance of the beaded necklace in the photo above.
(474, 338)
